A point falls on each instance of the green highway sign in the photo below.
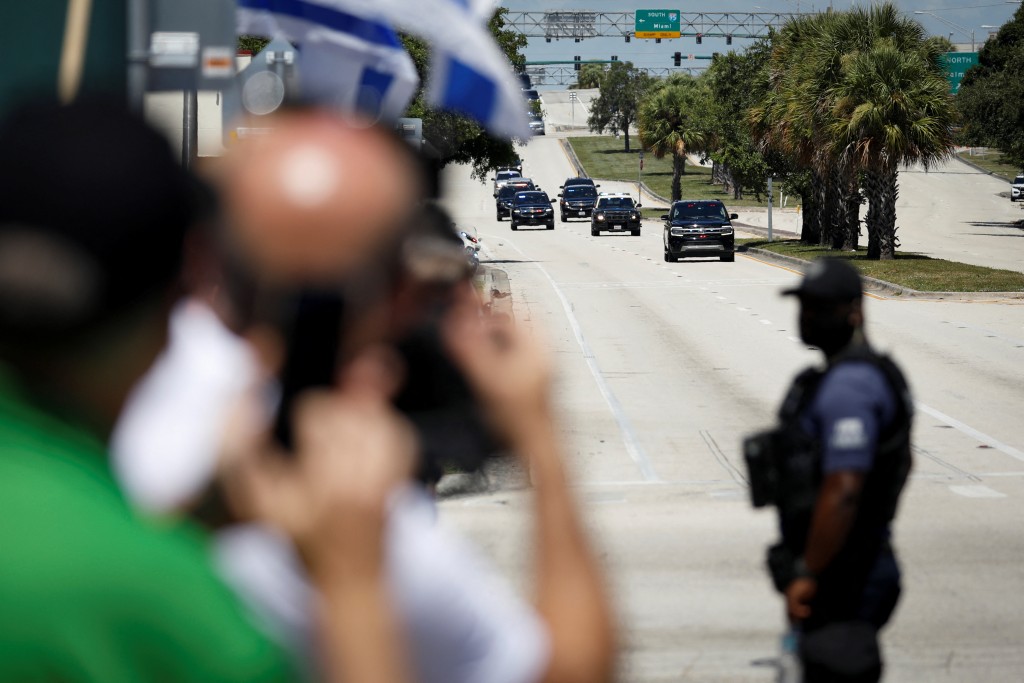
(956, 64)
(657, 23)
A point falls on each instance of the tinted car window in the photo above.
(685, 210)
(532, 198)
(531, 94)
(579, 192)
(579, 181)
(617, 202)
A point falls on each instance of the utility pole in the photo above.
(769, 208)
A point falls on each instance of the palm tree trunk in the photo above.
(890, 190)
(850, 232)
(811, 230)
(678, 166)
(872, 188)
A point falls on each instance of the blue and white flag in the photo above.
(469, 73)
(349, 61)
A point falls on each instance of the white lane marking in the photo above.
(976, 491)
(765, 322)
(795, 339)
(629, 438)
(970, 431)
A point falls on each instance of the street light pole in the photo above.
(947, 22)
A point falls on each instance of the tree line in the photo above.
(832, 105)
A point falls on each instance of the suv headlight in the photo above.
(726, 229)
(515, 211)
(634, 216)
(599, 217)
(676, 232)
(548, 210)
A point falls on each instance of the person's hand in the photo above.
(330, 496)
(799, 595)
(506, 367)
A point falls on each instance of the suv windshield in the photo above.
(515, 186)
(505, 175)
(579, 192)
(686, 210)
(616, 202)
(1019, 180)
(532, 198)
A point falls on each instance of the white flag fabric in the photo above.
(349, 62)
(469, 74)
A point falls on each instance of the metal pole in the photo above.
(189, 128)
(138, 52)
(769, 208)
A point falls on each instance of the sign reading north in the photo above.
(657, 23)
(956, 64)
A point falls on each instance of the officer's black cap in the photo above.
(94, 209)
(829, 279)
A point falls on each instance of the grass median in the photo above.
(993, 161)
(913, 271)
(603, 157)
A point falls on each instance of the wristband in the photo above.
(801, 570)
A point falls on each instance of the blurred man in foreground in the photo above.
(93, 214)
(321, 203)
(835, 468)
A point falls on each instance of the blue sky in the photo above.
(962, 16)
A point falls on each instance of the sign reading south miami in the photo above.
(656, 23)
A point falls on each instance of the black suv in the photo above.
(577, 201)
(532, 208)
(699, 227)
(617, 213)
(503, 202)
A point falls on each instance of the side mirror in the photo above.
(597, 186)
(664, 216)
(559, 194)
(639, 206)
(554, 200)
(561, 187)
(733, 216)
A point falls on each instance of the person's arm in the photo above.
(511, 375)
(834, 515)
(330, 499)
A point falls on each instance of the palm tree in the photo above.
(671, 121)
(892, 108)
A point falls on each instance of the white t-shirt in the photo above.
(462, 621)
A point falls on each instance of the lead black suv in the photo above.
(615, 212)
(577, 201)
(532, 208)
(699, 227)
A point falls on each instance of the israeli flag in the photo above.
(469, 74)
(349, 61)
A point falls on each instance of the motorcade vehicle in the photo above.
(537, 125)
(532, 207)
(577, 181)
(699, 227)
(502, 176)
(503, 202)
(615, 212)
(470, 245)
(577, 201)
(530, 94)
(1017, 188)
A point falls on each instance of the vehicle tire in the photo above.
(551, 225)
(565, 219)
(635, 233)
(500, 216)
(669, 258)
(729, 258)
(515, 226)
(594, 232)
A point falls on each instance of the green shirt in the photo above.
(90, 591)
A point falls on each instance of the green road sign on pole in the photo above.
(657, 23)
(956, 64)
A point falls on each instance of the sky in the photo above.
(961, 17)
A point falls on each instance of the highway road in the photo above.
(663, 368)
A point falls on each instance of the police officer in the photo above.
(836, 466)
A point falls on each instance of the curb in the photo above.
(497, 293)
(573, 159)
(874, 285)
(983, 170)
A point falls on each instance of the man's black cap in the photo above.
(94, 208)
(829, 279)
